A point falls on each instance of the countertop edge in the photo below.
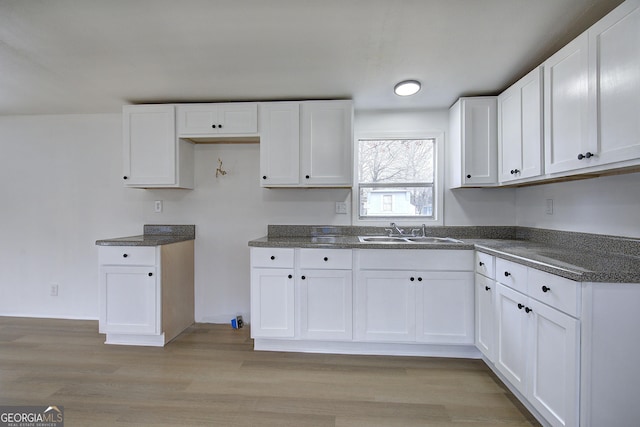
(143, 240)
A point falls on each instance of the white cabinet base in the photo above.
(367, 348)
(142, 340)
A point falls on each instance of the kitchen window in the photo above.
(397, 179)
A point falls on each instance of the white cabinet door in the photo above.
(150, 147)
(566, 107)
(326, 140)
(217, 119)
(272, 302)
(614, 72)
(520, 128)
(385, 306)
(129, 300)
(510, 134)
(326, 304)
(445, 307)
(279, 144)
(472, 148)
(555, 362)
(512, 336)
(480, 141)
(485, 318)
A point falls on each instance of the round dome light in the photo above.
(407, 87)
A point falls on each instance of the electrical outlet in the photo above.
(341, 207)
(157, 206)
(54, 290)
(549, 209)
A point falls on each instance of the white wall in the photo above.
(606, 205)
(62, 190)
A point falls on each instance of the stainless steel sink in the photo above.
(433, 240)
(381, 239)
(408, 239)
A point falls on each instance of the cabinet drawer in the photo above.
(127, 255)
(337, 259)
(558, 292)
(511, 274)
(486, 265)
(272, 257)
(418, 259)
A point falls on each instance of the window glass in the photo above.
(396, 178)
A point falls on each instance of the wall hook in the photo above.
(220, 170)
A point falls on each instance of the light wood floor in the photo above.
(210, 376)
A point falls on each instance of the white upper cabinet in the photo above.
(520, 128)
(566, 102)
(614, 83)
(216, 120)
(326, 143)
(592, 97)
(473, 143)
(279, 143)
(153, 156)
(306, 144)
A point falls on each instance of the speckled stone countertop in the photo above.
(577, 256)
(154, 235)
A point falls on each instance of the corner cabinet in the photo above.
(473, 143)
(146, 293)
(520, 129)
(306, 144)
(153, 155)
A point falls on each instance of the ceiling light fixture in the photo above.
(407, 87)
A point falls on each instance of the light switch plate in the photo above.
(341, 207)
(157, 206)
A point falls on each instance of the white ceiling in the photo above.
(89, 56)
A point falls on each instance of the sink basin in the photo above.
(382, 239)
(433, 240)
(408, 239)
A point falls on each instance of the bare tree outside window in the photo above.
(396, 177)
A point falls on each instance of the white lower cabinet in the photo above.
(146, 293)
(326, 304)
(538, 353)
(272, 302)
(129, 297)
(272, 292)
(394, 303)
(555, 362)
(444, 307)
(485, 316)
(385, 306)
(363, 301)
(537, 344)
(512, 334)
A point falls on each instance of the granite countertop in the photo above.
(154, 235)
(575, 256)
(347, 242)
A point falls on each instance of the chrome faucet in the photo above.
(395, 230)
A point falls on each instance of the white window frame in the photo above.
(438, 185)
